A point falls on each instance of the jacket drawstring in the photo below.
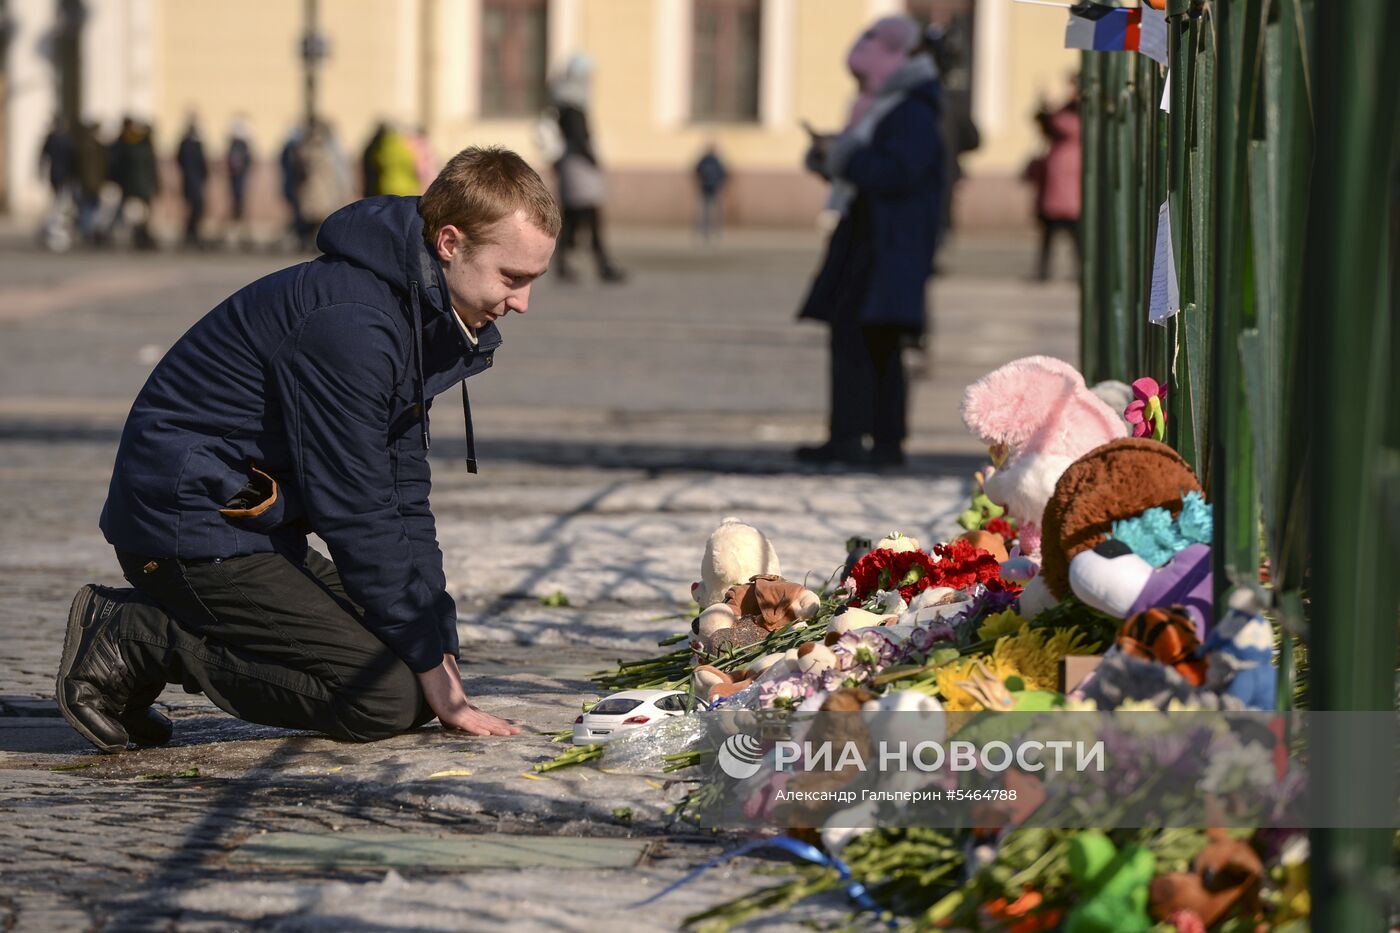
(467, 423)
(422, 391)
(418, 361)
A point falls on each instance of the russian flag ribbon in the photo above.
(1094, 27)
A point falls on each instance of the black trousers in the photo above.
(1048, 229)
(890, 396)
(576, 220)
(270, 639)
(852, 385)
(869, 390)
(194, 217)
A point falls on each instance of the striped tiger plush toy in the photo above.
(1167, 636)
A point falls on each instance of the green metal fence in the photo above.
(1279, 163)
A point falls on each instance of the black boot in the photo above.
(144, 724)
(94, 685)
(848, 452)
(887, 456)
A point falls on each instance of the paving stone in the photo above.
(411, 850)
(622, 425)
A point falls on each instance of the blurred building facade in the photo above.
(670, 76)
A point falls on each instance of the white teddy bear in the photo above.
(735, 553)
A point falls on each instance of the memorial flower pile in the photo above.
(1066, 632)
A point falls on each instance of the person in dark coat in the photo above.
(710, 177)
(133, 168)
(582, 184)
(369, 161)
(239, 161)
(888, 176)
(194, 174)
(92, 176)
(293, 174)
(300, 405)
(58, 159)
(949, 49)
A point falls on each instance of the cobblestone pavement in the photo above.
(624, 424)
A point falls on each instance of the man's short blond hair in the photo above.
(479, 187)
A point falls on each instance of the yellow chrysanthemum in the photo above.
(1036, 654)
(955, 698)
(1002, 623)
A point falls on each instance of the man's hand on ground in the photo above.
(442, 686)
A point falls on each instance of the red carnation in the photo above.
(1000, 526)
(960, 565)
(963, 565)
(884, 569)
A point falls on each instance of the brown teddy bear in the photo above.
(750, 612)
(1114, 481)
(1226, 877)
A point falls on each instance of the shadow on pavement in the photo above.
(601, 454)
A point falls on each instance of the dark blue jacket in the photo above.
(880, 256)
(300, 404)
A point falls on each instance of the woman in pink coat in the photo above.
(1057, 177)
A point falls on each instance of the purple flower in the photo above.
(784, 693)
(868, 647)
(839, 678)
(926, 636)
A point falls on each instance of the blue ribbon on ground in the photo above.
(855, 890)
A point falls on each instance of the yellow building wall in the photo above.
(1036, 68)
(218, 59)
(406, 59)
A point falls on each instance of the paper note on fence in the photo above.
(1152, 37)
(1165, 299)
(1167, 92)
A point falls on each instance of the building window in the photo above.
(725, 62)
(514, 37)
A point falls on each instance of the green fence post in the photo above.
(1347, 327)
(1231, 476)
(1181, 54)
(1091, 298)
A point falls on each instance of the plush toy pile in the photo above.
(1081, 580)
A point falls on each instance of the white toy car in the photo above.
(628, 710)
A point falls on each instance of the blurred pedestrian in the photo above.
(887, 173)
(711, 177)
(58, 159)
(133, 168)
(396, 164)
(289, 161)
(425, 163)
(194, 174)
(582, 185)
(58, 163)
(325, 179)
(238, 159)
(1056, 177)
(960, 133)
(369, 162)
(92, 177)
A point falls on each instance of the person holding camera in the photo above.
(888, 182)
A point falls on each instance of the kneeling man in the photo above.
(298, 405)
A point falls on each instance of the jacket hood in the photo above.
(384, 234)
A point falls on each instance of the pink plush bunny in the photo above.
(1037, 416)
